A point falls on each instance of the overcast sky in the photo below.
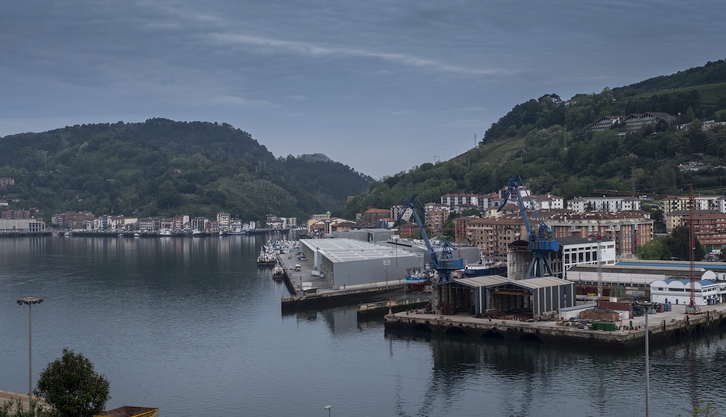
(381, 86)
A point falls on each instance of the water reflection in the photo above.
(174, 319)
(603, 380)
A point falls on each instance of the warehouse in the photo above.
(21, 226)
(496, 295)
(622, 280)
(350, 263)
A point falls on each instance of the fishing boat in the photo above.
(278, 272)
(417, 280)
(486, 268)
(262, 260)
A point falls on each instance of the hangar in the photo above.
(495, 295)
(350, 263)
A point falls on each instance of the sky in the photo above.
(381, 86)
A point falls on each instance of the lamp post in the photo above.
(647, 305)
(328, 407)
(29, 301)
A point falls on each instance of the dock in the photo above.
(312, 291)
(665, 328)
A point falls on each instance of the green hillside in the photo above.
(546, 140)
(162, 168)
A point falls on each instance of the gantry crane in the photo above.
(540, 241)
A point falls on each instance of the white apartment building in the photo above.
(703, 202)
(606, 204)
(456, 201)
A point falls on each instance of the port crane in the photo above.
(443, 265)
(540, 240)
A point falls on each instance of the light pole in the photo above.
(29, 301)
(328, 407)
(647, 305)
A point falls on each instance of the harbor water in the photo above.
(193, 327)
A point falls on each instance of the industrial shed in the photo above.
(635, 280)
(499, 295)
(350, 263)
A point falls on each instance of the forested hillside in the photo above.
(163, 167)
(546, 141)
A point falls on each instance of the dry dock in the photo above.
(667, 327)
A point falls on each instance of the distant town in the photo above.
(478, 221)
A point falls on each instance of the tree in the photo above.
(71, 386)
(679, 242)
(656, 249)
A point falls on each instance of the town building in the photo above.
(459, 202)
(627, 229)
(73, 220)
(702, 203)
(606, 204)
(372, 216)
(545, 202)
(15, 214)
(110, 223)
(493, 235)
(631, 122)
(223, 221)
(401, 212)
(435, 220)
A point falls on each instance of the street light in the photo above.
(647, 305)
(328, 407)
(29, 301)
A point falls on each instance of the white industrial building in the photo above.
(21, 225)
(707, 290)
(635, 280)
(350, 263)
(582, 251)
(574, 251)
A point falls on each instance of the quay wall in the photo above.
(334, 298)
(664, 331)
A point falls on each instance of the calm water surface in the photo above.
(191, 326)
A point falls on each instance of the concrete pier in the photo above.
(309, 291)
(666, 327)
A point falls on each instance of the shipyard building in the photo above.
(351, 263)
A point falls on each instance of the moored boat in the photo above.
(278, 272)
(417, 280)
(486, 268)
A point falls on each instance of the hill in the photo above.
(546, 140)
(163, 167)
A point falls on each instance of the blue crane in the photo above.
(540, 241)
(447, 263)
